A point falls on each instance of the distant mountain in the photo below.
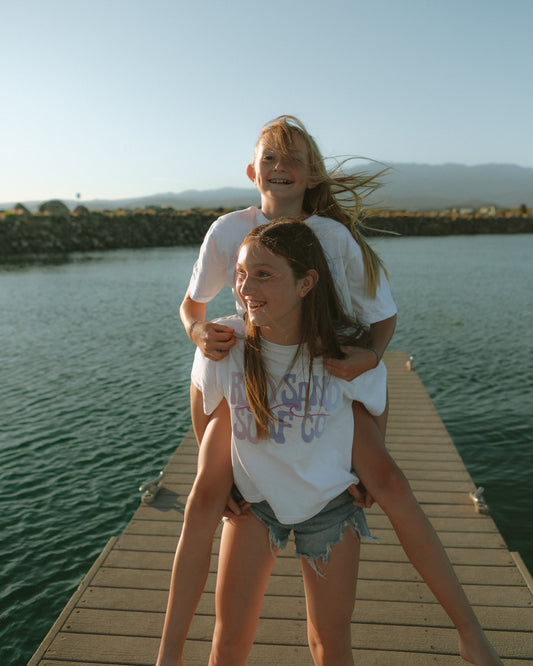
(226, 197)
(414, 187)
(420, 187)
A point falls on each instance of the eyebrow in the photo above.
(256, 266)
(296, 154)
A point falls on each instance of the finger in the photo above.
(369, 500)
(221, 343)
(335, 363)
(355, 492)
(220, 328)
(233, 506)
(228, 513)
(226, 334)
(333, 368)
(359, 502)
(341, 373)
(215, 343)
(215, 355)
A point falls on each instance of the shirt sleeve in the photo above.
(209, 272)
(370, 389)
(346, 262)
(211, 377)
(205, 376)
(368, 309)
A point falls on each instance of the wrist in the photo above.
(377, 354)
(190, 328)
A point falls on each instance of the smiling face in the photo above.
(280, 177)
(270, 293)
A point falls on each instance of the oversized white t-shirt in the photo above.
(306, 462)
(215, 266)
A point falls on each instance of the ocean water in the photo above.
(94, 395)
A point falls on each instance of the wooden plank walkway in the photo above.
(115, 618)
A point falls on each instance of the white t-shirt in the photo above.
(306, 462)
(215, 266)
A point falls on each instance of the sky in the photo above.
(112, 99)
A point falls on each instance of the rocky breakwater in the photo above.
(448, 224)
(57, 230)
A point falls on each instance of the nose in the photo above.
(280, 163)
(245, 286)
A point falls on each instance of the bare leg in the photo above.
(330, 602)
(244, 567)
(361, 494)
(203, 512)
(381, 421)
(389, 487)
(198, 417)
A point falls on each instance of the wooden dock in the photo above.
(116, 616)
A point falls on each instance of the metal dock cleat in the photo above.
(150, 489)
(479, 501)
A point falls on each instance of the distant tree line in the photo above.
(54, 229)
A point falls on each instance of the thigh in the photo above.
(214, 476)
(381, 419)
(374, 465)
(330, 594)
(215, 448)
(198, 417)
(244, 567)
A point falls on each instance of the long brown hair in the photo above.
(335, 194)
(325, 326)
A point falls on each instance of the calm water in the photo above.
(94, 395)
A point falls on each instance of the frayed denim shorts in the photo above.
(315, 536)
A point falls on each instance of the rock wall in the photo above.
(83, 231)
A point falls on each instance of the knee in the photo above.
(204, 500)
(392, 488)
(395, 479)
(227, 652)
(389, 477)
(331, 649)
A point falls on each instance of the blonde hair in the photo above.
(325, 326)
(334, 194)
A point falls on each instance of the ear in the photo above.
(308, 281)
(250, 172)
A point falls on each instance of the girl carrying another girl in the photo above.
(288, 171)
(292, 431)
(292, 179)
(292, 426)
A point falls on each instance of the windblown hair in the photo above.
(325, 326)
(336, 195)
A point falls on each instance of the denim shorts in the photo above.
(315, 536)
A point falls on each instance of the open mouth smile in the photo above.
(280, 181)
(253, 306)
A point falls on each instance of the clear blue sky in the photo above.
(119, 98)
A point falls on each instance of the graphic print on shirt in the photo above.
(287, 407)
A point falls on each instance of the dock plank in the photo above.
(116, 615)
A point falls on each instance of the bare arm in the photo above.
(382, 332)
(359, 359)
(214, 340)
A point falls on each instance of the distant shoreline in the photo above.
(23, 233)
